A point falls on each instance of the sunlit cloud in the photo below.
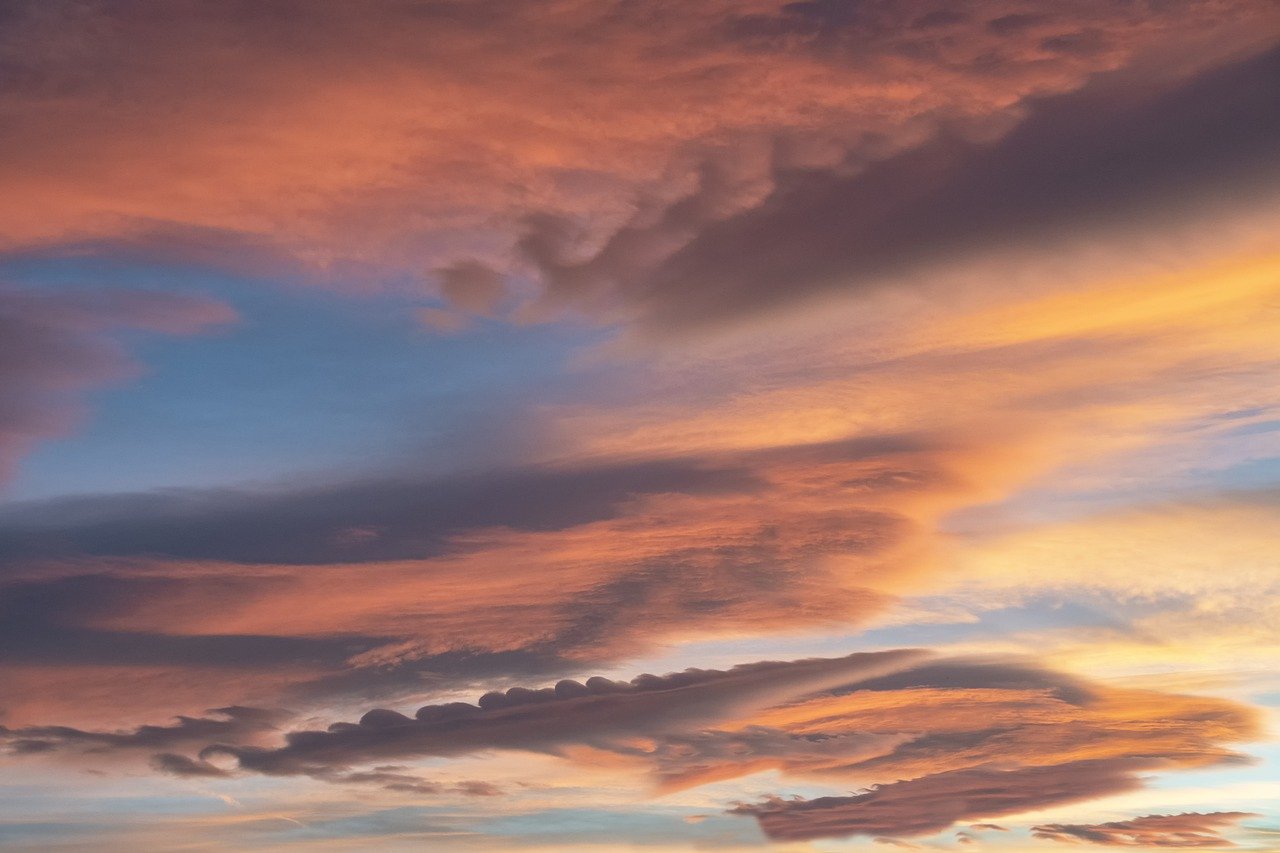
(899, 375)
(1179, 830)
(972, 739)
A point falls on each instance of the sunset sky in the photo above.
(639, 425)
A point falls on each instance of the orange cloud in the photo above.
(400, 135)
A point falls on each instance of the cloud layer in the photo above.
(231, 139)
(816, 327)
(965, 740)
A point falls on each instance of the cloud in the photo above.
(45, 622)
(56, 347)
(899, 728)
(236, 722)
(1092, 161)
(889, 723)
(472, 286)
(961, 675)
(1190, 829)
(348, 523)
(990, 738)
(521, 572)
(707, 514)
(391, 778)
(599, 713)
(240, 725)
(681, 165)
(932, 803)
(933, 742)
(340, 143)
(186, 768)
(1192, 615)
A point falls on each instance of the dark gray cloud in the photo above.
(1186, 830)
(44, 621)
(374, 520)
(599, 712)
(238, 723)
(391, 519)
(186, 768)
(1091, 159)
(235, 724)
(391, 777)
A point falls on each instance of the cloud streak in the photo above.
(599, 713)
(240, 723)
(932, 803)
(1189, 829)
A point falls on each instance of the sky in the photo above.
(638, 425)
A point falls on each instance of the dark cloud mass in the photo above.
(236, 723)
(599, 712)
(380, 520)
(44, 622)
(1092, 159)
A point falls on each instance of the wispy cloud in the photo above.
(1190, 829)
